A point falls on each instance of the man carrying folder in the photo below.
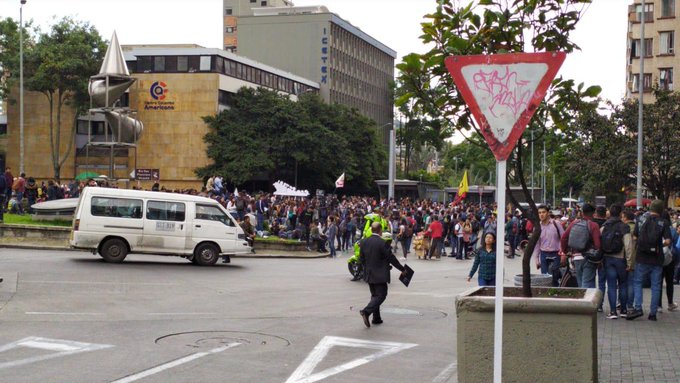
(376, 254)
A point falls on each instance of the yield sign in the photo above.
(503, 92)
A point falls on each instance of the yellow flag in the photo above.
(463, 187)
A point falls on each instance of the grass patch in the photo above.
(276, 240)
(15, 219)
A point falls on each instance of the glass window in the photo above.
(228, 11)
(212, 213)
(666, 43)
(205, 63)
(165, 211)
(116, 207)
(145, 63)
(182, 63)
(667, 8)
(230, 29)
(666, 78)
(635, 48)
(649, 12)
(159, 64)
(263, 3)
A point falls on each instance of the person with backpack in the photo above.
(581, 241)
(652, 233)
(668, 267)
(617, 247)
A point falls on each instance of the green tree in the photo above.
(57, 64)
(489, 27)
(265, 134)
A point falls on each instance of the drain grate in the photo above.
(207, 340)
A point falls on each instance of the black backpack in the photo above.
(612, 236)
(649, 235)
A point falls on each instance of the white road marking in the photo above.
(102, 283)
(174, 363)
(58, 313)
(60, 346)
(181, 313)
(447, 374)
(303, 374)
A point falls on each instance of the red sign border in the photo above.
(455, 64)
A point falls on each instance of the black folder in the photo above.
(405, 278)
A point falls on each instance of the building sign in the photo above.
(148, 174)
(324, 57)
(159, 91)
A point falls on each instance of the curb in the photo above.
(256, 255)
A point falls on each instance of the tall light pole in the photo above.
(641, 86)
(21, 87)
(392, 162)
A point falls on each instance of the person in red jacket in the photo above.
(436, 232)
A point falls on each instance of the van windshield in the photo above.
(212, 213)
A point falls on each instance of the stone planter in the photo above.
(280, 245)
(537, 280)
(545, 339)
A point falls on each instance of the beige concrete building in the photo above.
(661, 63)
(351, 67)
(194, 82)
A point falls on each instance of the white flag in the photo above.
(340, 182)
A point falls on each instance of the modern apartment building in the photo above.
(351, 67)
(661, 65)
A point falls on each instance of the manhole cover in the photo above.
(402, 311)
(207, 340)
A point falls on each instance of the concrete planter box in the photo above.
(544, 339)
(282, 246)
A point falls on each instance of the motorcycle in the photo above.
(356, 268)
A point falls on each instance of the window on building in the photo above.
(666, 43)
(159, 64)
(182, 63)
(228, 11)
(666, 78)
(263, 3)
(205, 63)
(649, 12)
(230, 68)
(253, 1)
(635, 48)
(230, 29)
(667, 8)
(225, 98)
(145, 64)
(3, 129)
(647, 82)
(230, 48)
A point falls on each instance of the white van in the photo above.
(115, 222)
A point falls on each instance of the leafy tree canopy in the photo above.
(265, 135)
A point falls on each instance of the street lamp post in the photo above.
(641, 86)
(21, 87)
(392, 162)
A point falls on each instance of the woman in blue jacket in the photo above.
(485, 260)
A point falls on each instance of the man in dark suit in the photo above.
(377, 257)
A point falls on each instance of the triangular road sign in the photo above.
(503, 92)
(303, 374)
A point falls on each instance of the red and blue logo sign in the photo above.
(158, 90)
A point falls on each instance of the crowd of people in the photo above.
(613, 249)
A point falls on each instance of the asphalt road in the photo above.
(67, 316)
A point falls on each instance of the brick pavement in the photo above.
(640, 351)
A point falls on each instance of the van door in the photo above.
(213, 224)
(165, 228)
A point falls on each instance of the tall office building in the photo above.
(233, 9)
(351, 67)
(661, 22)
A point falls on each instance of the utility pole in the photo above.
(641, 86)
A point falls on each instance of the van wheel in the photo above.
(114, 250)
(206, 254)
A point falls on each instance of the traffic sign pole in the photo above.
(503, 91)
(500, 257)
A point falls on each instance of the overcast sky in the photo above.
(601, 34)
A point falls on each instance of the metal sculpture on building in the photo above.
(107, 87)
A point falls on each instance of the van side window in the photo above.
(212, 213)
(165, 211)
(116, 207)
